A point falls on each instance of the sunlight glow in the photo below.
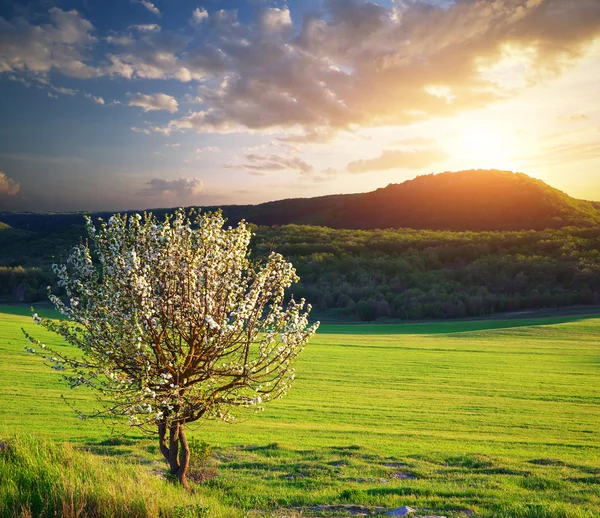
(487, 147)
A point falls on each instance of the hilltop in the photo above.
(465, 200)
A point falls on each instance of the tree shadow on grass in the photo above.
(435, 327)
(45, 309)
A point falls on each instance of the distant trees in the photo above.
(417, 273)
(175, 323)
(412, 274)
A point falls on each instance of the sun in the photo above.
(486, 147)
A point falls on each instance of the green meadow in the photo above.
(485, 418)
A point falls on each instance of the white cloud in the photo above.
(262, 164)
(64, 91)
(273, 20)
(182, 187)
(199, 15)
(145, 131)
(146, 27)
(150, 6)
(149, 55)
(8, 187)
(208, 149)
(96, 99)
(153, 102)
(62, 45)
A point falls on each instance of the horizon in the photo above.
(173, 208)
(139, 105)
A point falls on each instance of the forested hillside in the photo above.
(465, 200)
(414, 274)
(432, 270)
(407, 274)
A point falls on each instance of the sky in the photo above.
(135, 104)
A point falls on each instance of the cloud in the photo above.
(149, 55)
(96, 99)
(262, 164)
(64, 91)
(150, 6)
(309, 136)
(182, 187)
(273, 20)
(207, 149)
(415, 142)
(145, 131)
(398, 159)
(568, 152)
(199, 15)
(153, 102)
(61, 160)
(63, 45)
(578, 117)
(353, 64)
(359, 64)
(8, 187)
(146, 27)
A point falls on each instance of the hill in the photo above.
(366, 273)
(466, 200)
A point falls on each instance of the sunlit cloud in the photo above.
(568, 152)
(63, 45)
(182, 187)
(398, 159)
(578, 117)
(96, 98)
(154, 102)
(208, 149)
(8, 187)
(262, 164)
(199, 15)
(360, 64)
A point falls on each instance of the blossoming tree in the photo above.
(175, 323)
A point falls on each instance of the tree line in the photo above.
(395, 273)
(417, 274)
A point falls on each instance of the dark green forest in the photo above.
(370, 274)
(462, 270)
(416, 274)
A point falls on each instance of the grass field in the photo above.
(487, 418)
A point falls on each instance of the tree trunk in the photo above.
(174, 448)
(162, 440)
(179, 460)
(184, 458)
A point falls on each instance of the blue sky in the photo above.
(113, 105)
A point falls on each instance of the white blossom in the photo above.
(172, 313)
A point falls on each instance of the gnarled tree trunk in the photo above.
(179, 460)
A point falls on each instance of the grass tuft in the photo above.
(46, 479)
